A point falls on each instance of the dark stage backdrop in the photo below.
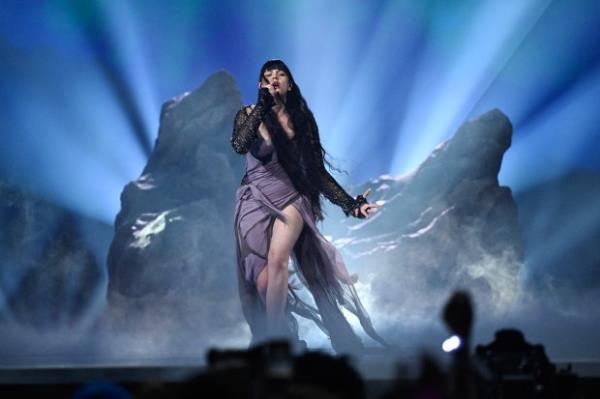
(126, 108)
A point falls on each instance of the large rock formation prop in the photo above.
(171, 263)
(51, 265)
(448, 224)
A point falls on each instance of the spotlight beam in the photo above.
(445, 94)
(97, 37)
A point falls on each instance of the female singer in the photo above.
(277, 207)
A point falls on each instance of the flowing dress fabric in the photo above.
(264, 192)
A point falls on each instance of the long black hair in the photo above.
(303, 158)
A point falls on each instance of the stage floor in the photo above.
(178, 370)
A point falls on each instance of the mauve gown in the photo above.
(265, 190)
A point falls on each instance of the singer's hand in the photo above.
(273, 91)
(366, 210)
(268, 86)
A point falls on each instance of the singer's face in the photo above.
(278, 80)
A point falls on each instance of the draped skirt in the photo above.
(316, 263)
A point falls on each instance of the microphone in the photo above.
(278, 97)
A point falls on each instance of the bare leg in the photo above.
(275, 275)
(261, 284)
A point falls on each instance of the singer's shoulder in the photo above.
(245, 109)
(249, 108)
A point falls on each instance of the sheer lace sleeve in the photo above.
(245, 128)
(330, 188)
(335, 193)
